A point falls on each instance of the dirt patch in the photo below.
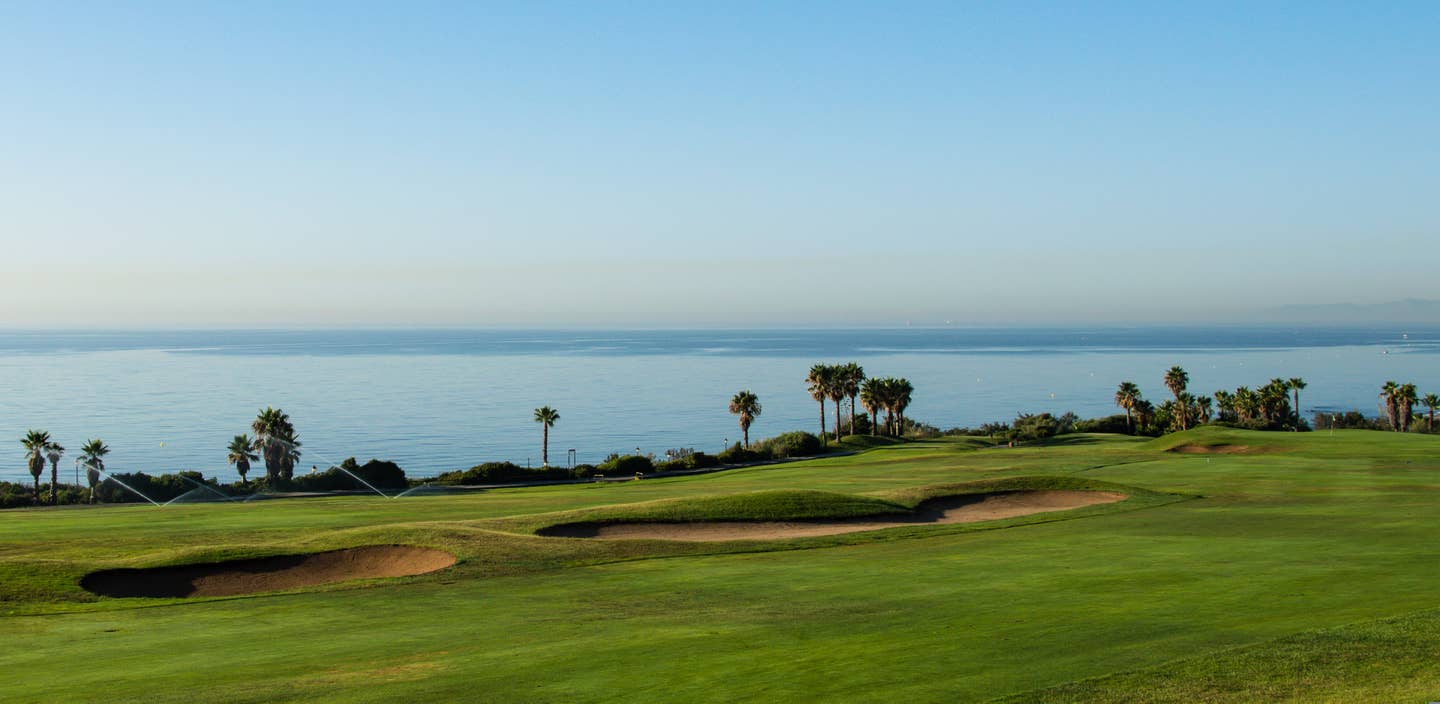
(971, 508)
(268, 574)
(1214, 449)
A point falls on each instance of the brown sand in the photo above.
(1213, 449)
(268, 574)
(971, 508)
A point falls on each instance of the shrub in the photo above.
(1108, 424)
(626, 464)
(796, 443)
(735, 454)
(501, 473)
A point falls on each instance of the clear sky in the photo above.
(711, 163)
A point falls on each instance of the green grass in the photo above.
(1303, 571)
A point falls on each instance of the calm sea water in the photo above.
(440, 400)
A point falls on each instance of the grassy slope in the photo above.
(1333, 530)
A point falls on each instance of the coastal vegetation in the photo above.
(1274, 405)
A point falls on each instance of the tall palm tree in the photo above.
(872, 399)
(1176, 380)
(746, 405)
(53, 452)
(289, 452)
(835, 389)
(1405, 399)
(901, 400)
(818, 383)
(242, 453)
(271, 427)
(1392, 406)
(854, 376)
(546, 417)
(1296, 384)
(92, 455)
(1126, 395)
(35, 442)
(1430, 401)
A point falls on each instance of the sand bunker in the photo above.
(1213, 449)
(268, 574)
(971, 508)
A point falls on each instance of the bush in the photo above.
(626, 464)
(501, 473)
(1034, 426)
(379, 474)
(583, 471)
(694, 460)
(735, 454)
(796, 443)
(1108, 424)
(1349, 420)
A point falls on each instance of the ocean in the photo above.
(437, 400)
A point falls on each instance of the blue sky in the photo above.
(711, 163)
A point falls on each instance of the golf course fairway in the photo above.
(1274, 567)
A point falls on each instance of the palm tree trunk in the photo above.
(837, 421)
(875, 422)
(1129, 424)
(852, 415)
(1297, 410)
(545, 445)
(822, 421)
(745, 433)
(54, 479)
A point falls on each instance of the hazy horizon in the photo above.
(841, 164)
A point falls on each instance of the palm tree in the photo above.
(1126, 395)
(1144, 412)
(92, 455)
(1247, 404)
(835, 389)
(853, 376)
(1204, 407)
(818, 382)
(241, 454)
(872, 398)
(1296, 384)
(271, 425)
(1176, 380)
(289, 452)
(546, 417)
(35, 442)
(1225, 403)
(1430, 401)
(53, 452)
(746, 405)
(1405, 398)
(1275, 401)
(1392, 406)
(901, 401)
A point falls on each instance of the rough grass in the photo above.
(1387, 660)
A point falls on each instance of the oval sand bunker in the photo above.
(268, 574)
(971, 508)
